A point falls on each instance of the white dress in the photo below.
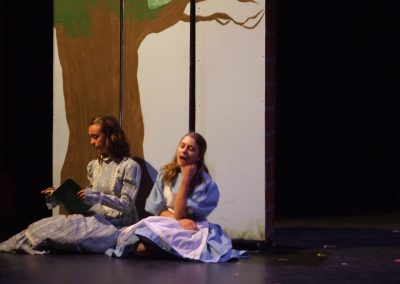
(112, 193)
(208, 243)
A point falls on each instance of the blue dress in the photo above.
(112, 193)
(208, 243)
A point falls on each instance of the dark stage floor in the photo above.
(363, 249)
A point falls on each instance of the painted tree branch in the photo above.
(224, 19)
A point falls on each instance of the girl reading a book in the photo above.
(183, 196)
(114, 180)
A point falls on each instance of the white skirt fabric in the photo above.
(75, 233)
(208, 243)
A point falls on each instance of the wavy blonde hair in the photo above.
(172, 169)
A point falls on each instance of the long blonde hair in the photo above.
(172, 169)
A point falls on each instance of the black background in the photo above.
(338, 143)
(26, 107)
(337, 110)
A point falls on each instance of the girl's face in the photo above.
(98, 139)
(187, 152)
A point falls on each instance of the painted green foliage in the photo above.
(74, 16)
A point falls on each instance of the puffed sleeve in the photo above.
(129, 178)
(204, 198)
(155, 202)
(90, 172)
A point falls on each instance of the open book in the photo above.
(66, 194)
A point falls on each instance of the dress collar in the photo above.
(106, 159)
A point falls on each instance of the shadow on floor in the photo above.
(302, 251)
